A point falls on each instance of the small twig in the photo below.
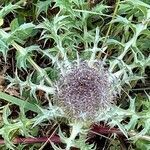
(141, 89)
(105, 130)
(49, 138)
(6, 29)
(54, 139)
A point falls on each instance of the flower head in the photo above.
(84, 90)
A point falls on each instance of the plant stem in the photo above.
(76, 129)
(109, 28)
(29, 140)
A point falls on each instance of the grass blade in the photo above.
(19, 102)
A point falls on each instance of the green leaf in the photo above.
(1, 21)
(42, 6)
(23, 54)
(64, 5)
(7, 9)
(142, 145)
(6, 113)
(19, 102)
(50, 113)
(3, 48)
(138, 3)
(14, 24)
(23, 32)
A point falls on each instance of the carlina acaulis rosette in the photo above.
(83, 90)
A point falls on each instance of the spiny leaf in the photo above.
(42, 6)
(7, 9)
(22, 32)
(23, 55)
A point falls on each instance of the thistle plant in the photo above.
(83, 90)
(87, 58)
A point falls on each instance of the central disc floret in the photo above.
(83, 90)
